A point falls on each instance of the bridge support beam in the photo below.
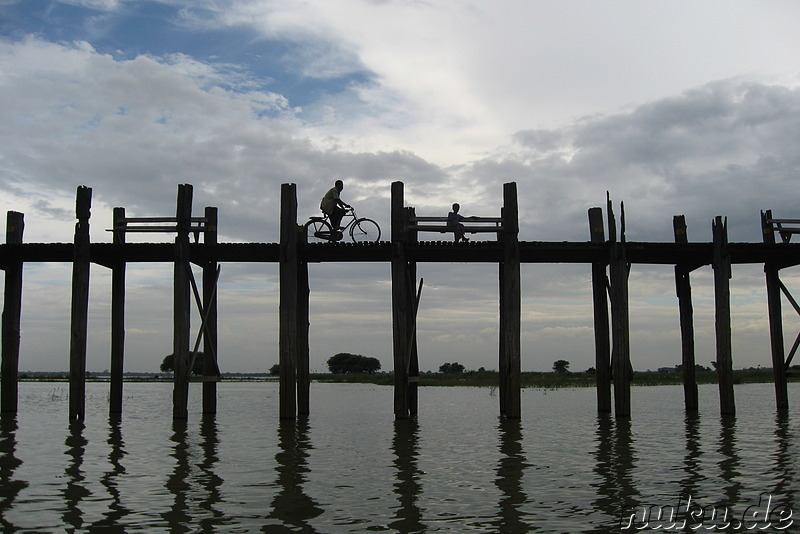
(722, 299)
(510, 307)
(290, 307)
(683, 290)
(80, 306)
(12, 313)
(181, 305)
(117, 319)
(602, 343)
(402, 311)
(774, 285)
(619, 270)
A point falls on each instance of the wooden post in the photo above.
(620, 323)
(117, 317)
(683, 289)
(288, 302)
(182, 305)
(772, 273)
(412, 307)
(12, 312)
(722, 276)
(303, 293)
(400, 301)
(80, 306)
(602, 344)
(210, 292)
(510, 307)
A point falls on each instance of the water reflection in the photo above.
(510, 468)
(9, 487)
(405, 444)
(615, 458)
(729, 464)
(74, 492)
(291, 506)
(784, 465)
(208, 478)
(178, 482)
(691, 482)
(117, 511)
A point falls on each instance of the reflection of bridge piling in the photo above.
(610, 259)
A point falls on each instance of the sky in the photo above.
(671, 107)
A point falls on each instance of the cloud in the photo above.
(132, 129)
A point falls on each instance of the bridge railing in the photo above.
(784, 227)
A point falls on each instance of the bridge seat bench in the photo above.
(785, 227)
(472, 225)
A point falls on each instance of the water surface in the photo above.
(350, 467)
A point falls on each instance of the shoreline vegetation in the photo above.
(490, 379)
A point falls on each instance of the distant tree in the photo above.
(344, 363)
(451, 368)
(590, 371)
(168, 364)
(275, 370)
(561, 366)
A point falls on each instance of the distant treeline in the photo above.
(482, 378)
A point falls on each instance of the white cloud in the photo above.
(443, 91)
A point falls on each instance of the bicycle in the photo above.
(361, 230)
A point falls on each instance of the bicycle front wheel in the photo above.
(365, 231)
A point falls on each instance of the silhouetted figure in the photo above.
(454, 222)
(332, 206)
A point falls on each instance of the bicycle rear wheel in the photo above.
(365, 231)
(318, 229)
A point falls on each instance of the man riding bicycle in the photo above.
(333, 206)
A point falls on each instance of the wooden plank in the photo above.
(602, 343)
(12, 313)
(722, 275)
(288, 302)
(80, 306)
(470, 229)
(117, 319)
(210, 293)
(181, 306)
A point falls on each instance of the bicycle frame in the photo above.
(360, 229)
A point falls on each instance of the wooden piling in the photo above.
(400, 302)
(182, 305)
(117, 317)
(772, 274)
(683, 289)
(288, 302)
(210, 280)
(12, 313)
(303, 367)
(510, 307)
(621, 369)
(412, 305)
(80, 306)
(722, 276)
(602, 343)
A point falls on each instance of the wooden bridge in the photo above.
(610, 258)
